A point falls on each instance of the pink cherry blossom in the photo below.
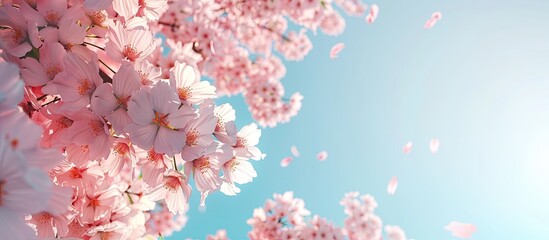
(204, 163)
(131, 44)
(246, 141)
(158, 119)
(219, 235)
(164, 223)
(395, 233)
(461, 230)
(111, 101)
(392, 186)
(77, 83)
(336, 49)
(199, 131)
(174, 190)
(225, 128)
(186, 80)
(15, 32)
(36, 73)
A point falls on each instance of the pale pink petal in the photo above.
(461, 230)
(407, 148)
(321, 156)
(169, 141)
(392, 186)
(164, 99)
(103, 101)
(436, 15)
(435, 143)
(142, 135)
(140, 108)
(286, 161)
(372, 15)
(294, 151)
(336, 49)
(433, 20)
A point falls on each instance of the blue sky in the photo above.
(478, 81)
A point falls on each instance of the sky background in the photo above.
(478, 81)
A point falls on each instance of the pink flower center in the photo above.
(130, 52)
(231, 164)
(202, 163)
(64, 122)
(184, 93)
(97, 18)
(96, 127)
(14, 143)
(17, 36)
(172, 183)
(144, 78)
(52, 71)
(123, 101)
(162, 120)
(51, 18)
(241, 142)
(2, 193)
(154, 156)
(220, 125)
(121, 149)
(192, 138)
(75, 173)
(43, 217)
(84, 87)
(94, 202)
(106, 235)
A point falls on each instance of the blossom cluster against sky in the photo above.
(478, 81)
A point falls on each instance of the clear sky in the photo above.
(478, 81)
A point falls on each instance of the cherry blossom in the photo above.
(286, 217)
(461, 230)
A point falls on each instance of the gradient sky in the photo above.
(478, 81)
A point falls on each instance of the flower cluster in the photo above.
(286, 217)
(100, 138)
(25, 187)
(233, 40)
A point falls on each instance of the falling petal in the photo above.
(392, 186)
(372, 15)
(435, 143)
(433, 20)
(336, 49)
(461, 230)
(294, 151)
(436, 15)
(321, 156)
(286, 161)
(407, 148)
